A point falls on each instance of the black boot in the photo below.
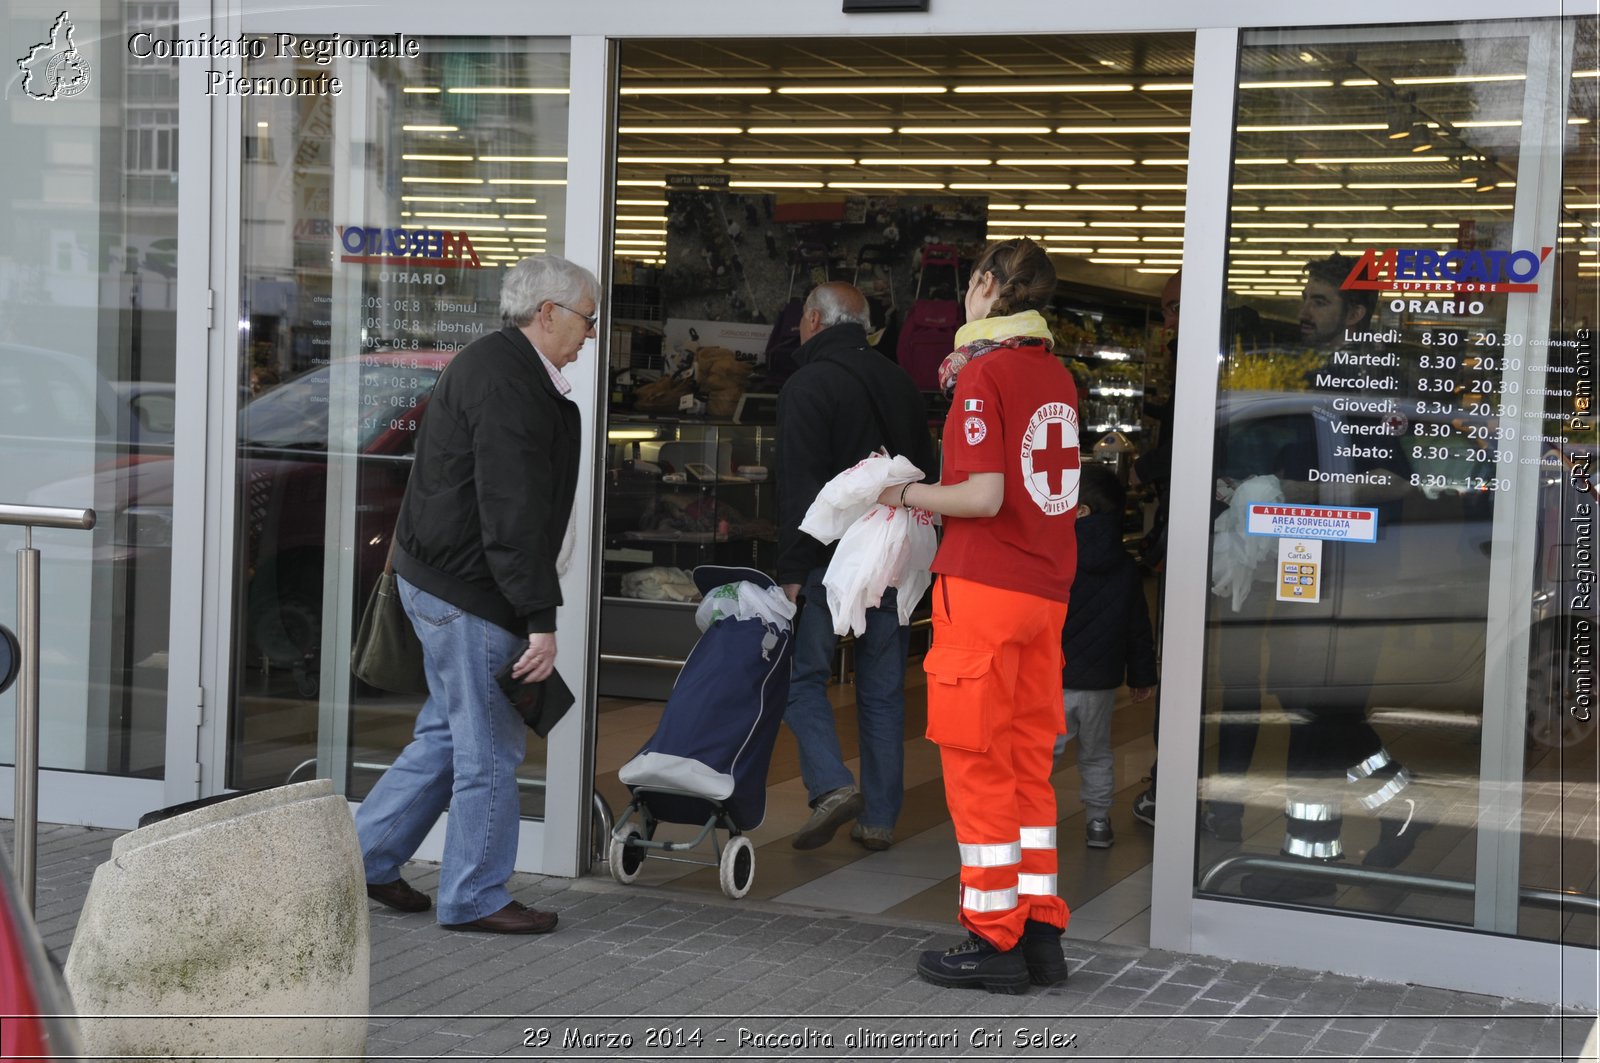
(974, 964)
(1041, 949)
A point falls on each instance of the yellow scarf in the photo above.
(977, 338)
(1029, 324)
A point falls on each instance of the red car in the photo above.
(37, 1011)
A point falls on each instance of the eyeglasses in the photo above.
(588, 319)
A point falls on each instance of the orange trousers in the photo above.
(994, 710)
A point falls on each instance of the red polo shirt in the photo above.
(1015, 412)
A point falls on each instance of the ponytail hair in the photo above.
(1025, 274)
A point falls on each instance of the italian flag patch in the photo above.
(973, 406)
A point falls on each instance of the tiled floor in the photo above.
(1108, 889)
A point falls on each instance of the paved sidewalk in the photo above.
(650, 974)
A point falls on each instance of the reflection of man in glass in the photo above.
(1327, 313)
(1335, 759)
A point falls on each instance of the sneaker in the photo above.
(1041, 950)
(1097, 833)
(975, 964)
(876, 839)
(833, 810)
(1227, 827)
(1144, 806)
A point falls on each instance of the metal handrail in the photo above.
(25, 842)
(1366, 876)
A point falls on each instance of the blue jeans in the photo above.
(880, 704)
(463, 755)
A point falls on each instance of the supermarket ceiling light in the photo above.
(522, 158)
(704, 130)
(670, 160)
(1060, 160)
(911, 161)
(1167, 86)
(1116, 261)
(662, 218)
(975, 130)
(638, 182)
(1284, 186)
(694, 90)
(448, 214)
(1271, 225)
(1079, 206)
(1453, 207)
(1261, 162)
(506, 90)
(1133, 188)
(428, 128)
(636, 242)
(1460, 79)
(1163, 162)
(1119, 129)
(1018, 206)
(621, 232)
(876, 88)
(436, 158)
(1027, 186)
(1386, 226)
(445, 199)
(1286, 84)
(442, 180)
(1136, 225)
(1369, 160)
(533, 181)
(1168, 208)
(820, 130)
(792, 160)
(1338, 127)
(420, 90)
(1297, 209)
(889, 186)
(1403, 184)
(1044, 223)
(641, 203)
(1008, 87)
(774, 184)
(515, 199)
(527, 217)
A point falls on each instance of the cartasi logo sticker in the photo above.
(1423, 269)
(407, 247)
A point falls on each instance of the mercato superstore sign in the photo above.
(1424, 269)
(367, 245)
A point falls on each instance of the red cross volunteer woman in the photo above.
(1009, 496)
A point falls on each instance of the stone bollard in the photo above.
(255, 906)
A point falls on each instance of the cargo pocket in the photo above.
(960, 690)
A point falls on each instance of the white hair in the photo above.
(540, 279)
(839, 303)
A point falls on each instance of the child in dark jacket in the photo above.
(1106, 639)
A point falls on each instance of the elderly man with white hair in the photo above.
(476, 553)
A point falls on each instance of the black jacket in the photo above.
(826, 424)
(492, 486)
(1107, 635)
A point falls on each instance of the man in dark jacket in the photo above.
(1106, 640)
(842, 403)
(478, 550)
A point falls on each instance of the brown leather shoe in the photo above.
(399, 895)
(514, 918)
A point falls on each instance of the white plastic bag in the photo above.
(845, 498)
(742, 601)
(889, 546)
(1235, 553)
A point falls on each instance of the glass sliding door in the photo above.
(1396, 717)
(87, 387)
(376, 227)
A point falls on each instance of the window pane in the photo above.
(366, 268)
(1391, 438)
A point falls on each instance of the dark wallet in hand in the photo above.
(541, 705)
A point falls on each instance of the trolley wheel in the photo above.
(737, 868)
(623, 857)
